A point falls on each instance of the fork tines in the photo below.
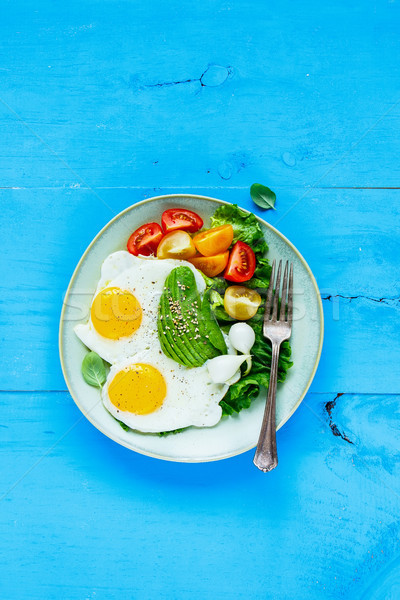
(273, 294)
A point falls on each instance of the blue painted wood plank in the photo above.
(323, 525)
(132, 93)
(349, 241)
(211, 97)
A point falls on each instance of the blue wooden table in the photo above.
(104, 103)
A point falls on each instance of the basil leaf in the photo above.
(125, 427)
(94, 370)
(263, 196)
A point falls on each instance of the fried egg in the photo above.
(145, 389)
(151, 393)
(123, 313)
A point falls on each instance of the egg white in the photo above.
(191, 399)
(144, 278)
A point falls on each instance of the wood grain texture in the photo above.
(103, 104)
(94, 520)
(251, 90)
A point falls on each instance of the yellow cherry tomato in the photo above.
(177, 244)
(214, 241)
(210, 265)
(240, 302)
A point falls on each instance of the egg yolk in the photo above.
(139, 389)
(115, 313)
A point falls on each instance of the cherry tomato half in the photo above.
(180, 218)
(241, 264)
(176, 244)
(145, 239)
(240, 302)
(210, 265)
(214, 241)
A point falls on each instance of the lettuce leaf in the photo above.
(217, 306)
(241, 394)
(261, 277)
(245, 227)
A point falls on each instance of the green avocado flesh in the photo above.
(187, 329)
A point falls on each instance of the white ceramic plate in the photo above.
(235, 434)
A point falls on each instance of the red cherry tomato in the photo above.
(180, 218)
(241, 264)
(145, 239)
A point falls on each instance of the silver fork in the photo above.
(276, 330)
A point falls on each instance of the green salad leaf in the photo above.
(94, 370)
(216, 283)
(241, 394)
(245, 227)
(263, 196)
(172, 432)
(217, 306)
(261, 277)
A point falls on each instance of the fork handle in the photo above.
(266, 456)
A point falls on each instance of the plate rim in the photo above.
(75, 273)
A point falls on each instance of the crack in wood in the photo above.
(169, 83)
(329, 406)
(387, 301)
(195, 79)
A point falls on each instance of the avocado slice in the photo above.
(210, 326)
(170, 328)
(188, 298)
(184, 325)
(178, 325)
(187, 329)
(172, 339)
(164, 335)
